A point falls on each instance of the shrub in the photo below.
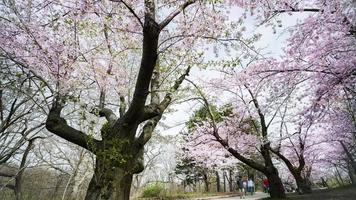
(154, 190)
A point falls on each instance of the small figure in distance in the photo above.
(251, 186)
(265, 185)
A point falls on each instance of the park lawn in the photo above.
(340, 193)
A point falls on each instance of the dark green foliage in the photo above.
(191, 171)
(202, 114)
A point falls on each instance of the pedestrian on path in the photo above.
(265, 185)
(251, 186)
(242, 187)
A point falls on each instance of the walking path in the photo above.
(257, 195)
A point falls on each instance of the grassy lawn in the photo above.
(347, 193)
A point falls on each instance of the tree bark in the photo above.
(218, 188)
(303, 184)
(351, 174)
(325, 184)
(109, 183)
(224, 178)
(349, 156)
(276, 189)
(206, 182)
(230, 181)
(19, 176)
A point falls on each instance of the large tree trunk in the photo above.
(303, 184)
(275, 182)
(276, 188)
(109, 183)
(114, 168)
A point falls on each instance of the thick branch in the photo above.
(259, 111)
(108, 114)
(171, 16)
(290, 166)
(298, 10)
(153, 109)
(148, 62)
(58, 125)
(156, 111)
(147, 130)
(247, 161)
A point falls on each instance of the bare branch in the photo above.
(58, 125)
(171, 16)
(156, 111)
(153, 109)
(131, 10)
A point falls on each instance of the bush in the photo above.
(154, 190)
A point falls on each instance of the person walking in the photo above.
(251, 186)
(242, 187)
(265, 185)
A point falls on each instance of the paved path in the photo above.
(257, 195)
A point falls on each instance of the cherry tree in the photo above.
(320, 49)
(244, 134)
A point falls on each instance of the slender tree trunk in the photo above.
(325, 184)
(230, 181)
(224, 178)
(218, 188)
(350, 173)
(206, 182)
(349, 156)
(18, 178)
(339, 175)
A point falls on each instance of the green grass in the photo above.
(341, 193)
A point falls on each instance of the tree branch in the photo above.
(148, 62)
(259, 111)
(171, 16)
(131, 10)
(298, 10)
(108, 114)
(154, 109)
(58, 125)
